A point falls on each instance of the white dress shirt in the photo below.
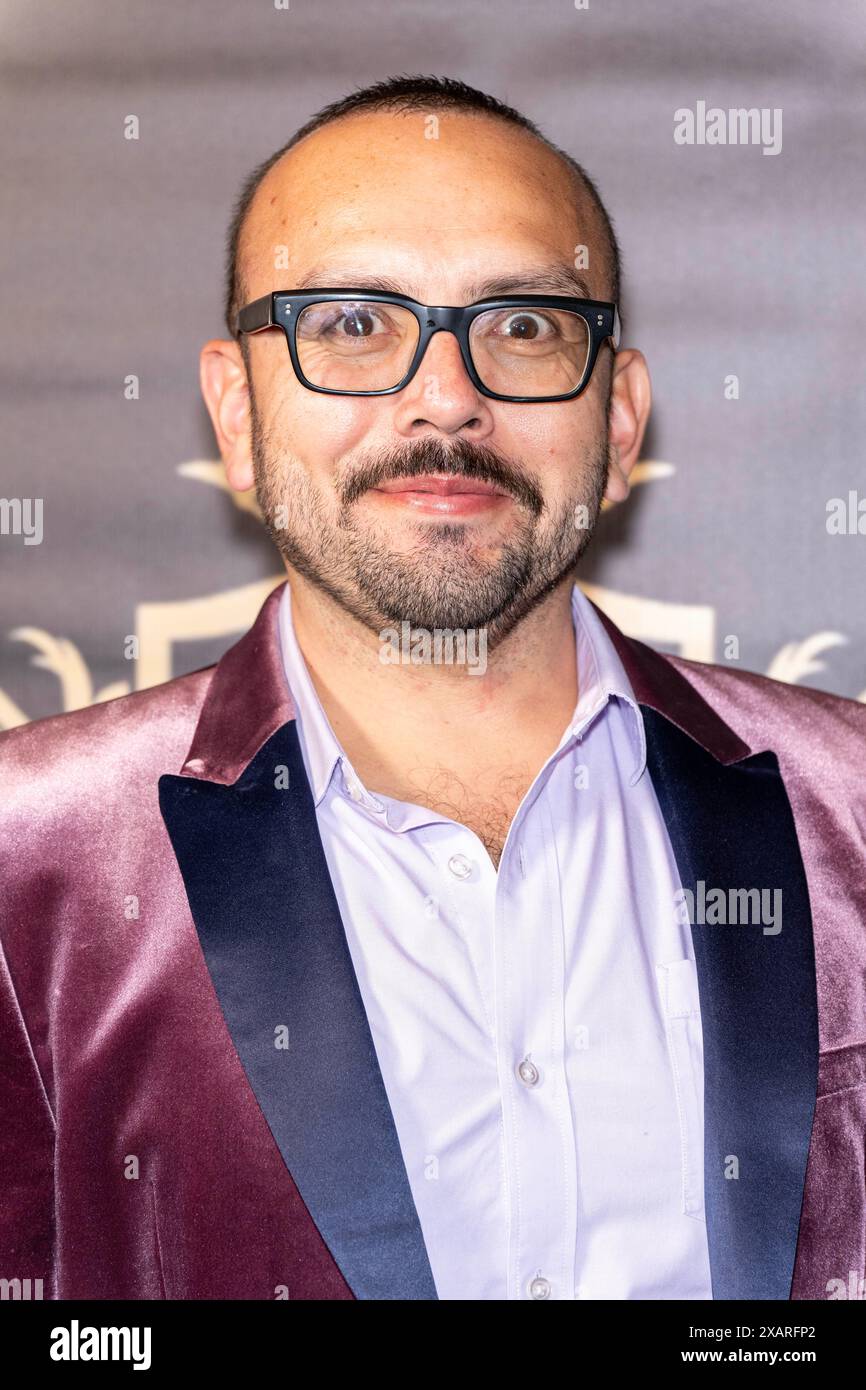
(537, 1027)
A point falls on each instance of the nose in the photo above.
(441, 396)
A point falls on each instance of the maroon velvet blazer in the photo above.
(166, 906)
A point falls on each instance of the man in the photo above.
(441, 941)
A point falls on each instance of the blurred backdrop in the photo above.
(744, 538)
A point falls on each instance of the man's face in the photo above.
(442, 219)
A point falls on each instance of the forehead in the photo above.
(437, 200)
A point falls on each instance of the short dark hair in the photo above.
(404, 94)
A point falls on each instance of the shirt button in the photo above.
(539, 1287)
(460, 866)
(355, 791)
(528, 1072)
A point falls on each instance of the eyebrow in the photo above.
(552, 279)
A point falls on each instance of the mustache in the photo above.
(460, 460)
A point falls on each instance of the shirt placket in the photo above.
(538, 1132)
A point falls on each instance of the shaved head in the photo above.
(428, 100)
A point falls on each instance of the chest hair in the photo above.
(486, 806)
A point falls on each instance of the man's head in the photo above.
(439, 192)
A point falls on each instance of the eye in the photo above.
(524, 325)
(344, 322)
(356, 323)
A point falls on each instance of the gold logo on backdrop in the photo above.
(159, 627)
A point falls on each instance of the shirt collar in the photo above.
(601, 680)
(320, 746)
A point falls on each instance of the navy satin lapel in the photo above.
(732, 827)
(264, 907)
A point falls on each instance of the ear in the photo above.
(630, 401)
(226, 393)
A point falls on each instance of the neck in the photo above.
(432, 717)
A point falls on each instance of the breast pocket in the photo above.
(678, 988)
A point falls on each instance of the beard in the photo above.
(443, 575)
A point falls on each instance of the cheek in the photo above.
(552, 440)
(321, 429)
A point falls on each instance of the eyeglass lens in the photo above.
(522, 350)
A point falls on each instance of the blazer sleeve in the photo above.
(27, 1133)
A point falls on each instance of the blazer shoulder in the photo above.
(734, 683)
(798, 721)
(127, 739)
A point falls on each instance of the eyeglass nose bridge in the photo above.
(439, 317)
(448, 318)
(444, 318)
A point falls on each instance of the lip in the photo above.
(444, 485)
(440, 494)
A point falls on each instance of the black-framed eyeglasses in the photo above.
(344, 342)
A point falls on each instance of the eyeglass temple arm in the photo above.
(617, 329)
(255, 316)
